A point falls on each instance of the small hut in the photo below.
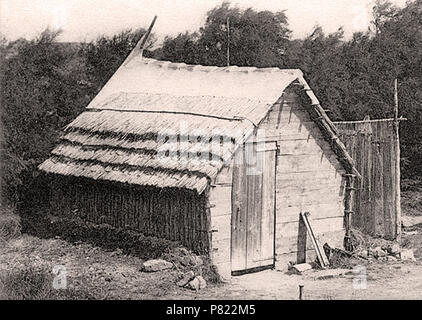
(222, 159)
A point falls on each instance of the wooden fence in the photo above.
(372, 145)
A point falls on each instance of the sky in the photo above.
(85, 20)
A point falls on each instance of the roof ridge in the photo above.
(133, 93)
(233, 68)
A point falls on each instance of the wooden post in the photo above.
(301, 286)
(397, 194)
(348, 211)
(228, 41)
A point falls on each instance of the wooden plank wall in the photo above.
(309, 178)
(371, 145)
(174, 214)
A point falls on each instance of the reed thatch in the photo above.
(171, 125)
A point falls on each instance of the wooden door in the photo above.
(253, 208)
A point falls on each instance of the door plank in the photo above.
(253, 209)
(268, 214)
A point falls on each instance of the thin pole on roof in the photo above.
(228, 41)
(140, 44)
(397, 194)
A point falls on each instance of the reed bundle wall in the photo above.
(173, 214)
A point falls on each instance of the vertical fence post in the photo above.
(397, 194)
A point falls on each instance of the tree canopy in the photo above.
(255, 38)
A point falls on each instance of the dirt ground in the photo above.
(112, 275)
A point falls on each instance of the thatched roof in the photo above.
(168, 124)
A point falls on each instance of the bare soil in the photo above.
(101, 274)
(112, 275)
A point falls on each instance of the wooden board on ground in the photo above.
(323, 260)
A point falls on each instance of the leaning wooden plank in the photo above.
(323, 260)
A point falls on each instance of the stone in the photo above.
(188, 276)
(407, 255)
(301, 268)
(202, 282)
(194, 284)
(185, 261)
(410, 221)
(393, 249)
(371, 252)
(155, 265)
(391, 259)
(198, 261)
(378, 252)
(363, 253)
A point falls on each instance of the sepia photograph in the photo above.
(196, 152)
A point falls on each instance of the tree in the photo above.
(182, 48)
(257, 38)
(40, 94)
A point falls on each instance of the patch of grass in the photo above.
(10, 226)
(33, 283)
(411, 197)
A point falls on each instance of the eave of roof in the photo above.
(326, 126)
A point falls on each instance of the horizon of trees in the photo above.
(46, 84)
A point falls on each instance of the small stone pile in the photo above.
(188, 264)
(391, 253)
(191, 281)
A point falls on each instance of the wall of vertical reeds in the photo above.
(170, 213)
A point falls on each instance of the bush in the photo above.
(75, 230)
(10, 226)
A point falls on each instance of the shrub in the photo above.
(10, 226)
(74, 230)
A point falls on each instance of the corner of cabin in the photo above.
(220, 213)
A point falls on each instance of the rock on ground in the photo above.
(155, 265)
(410, 221)
(407, 255)
(202, 282)
(378, 252)
(197, 283)
(188, 276)
(393, 249)
(301, 267)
